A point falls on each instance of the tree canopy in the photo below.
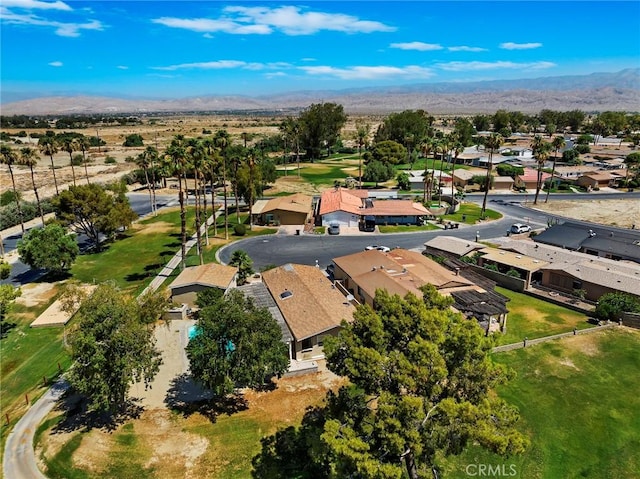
(387, 151)
(238, 344)
(378, 171)
(420, 386)
(320, 126)
(612, 305)
(113, 346)
(49, 248)
(408, 128)
(94, 210)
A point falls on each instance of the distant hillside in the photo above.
(595, 92)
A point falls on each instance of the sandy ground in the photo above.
(621, 213)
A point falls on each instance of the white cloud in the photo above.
(55, 64)
(290, 20)
(370, 73)
(423, 47)
(60, 28)
(122, 67)
(36, 5)
(476, 66)
(465, 48)
(223, 64)
(519, 46)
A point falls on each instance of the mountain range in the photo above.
(617, 91)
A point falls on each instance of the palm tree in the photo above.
(151, 158)
(70, 144)
(558, 143)
(29, 157)
(458, 148)
(541, 150)
(209, 173)
(492, 143)
(83, 145)
(8, 157)
(198, 155)
(177, 156)
(362, 136)
(48, 146)
(143, 162)
(222, 141)
(235, 156)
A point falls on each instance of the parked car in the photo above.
(518, 228)
(334, 229)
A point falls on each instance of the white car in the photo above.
(520, 228)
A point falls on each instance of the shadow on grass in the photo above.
(149, 271)
(5, 327)
(186, 397)
(78, 417)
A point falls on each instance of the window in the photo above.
(307, 344)
(320, 340)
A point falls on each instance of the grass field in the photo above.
(407, 228)
(471, 214)
(28, 355)
(577, 399)
(531, 318)
(579, 406)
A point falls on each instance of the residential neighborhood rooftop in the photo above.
(211, 274)
(309, 302)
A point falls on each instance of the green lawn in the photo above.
(531, 318)
(407, 228)
(579, 402)
(471, 213)
(28, 355)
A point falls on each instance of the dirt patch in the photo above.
(153, 228)
(34, 294)
(567, 362)
(622, 213)
(292, 184)
(174, 451)
(586, 344)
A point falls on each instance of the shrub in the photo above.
(582, 149)
(513, 273)
(491, 267)
(240, 230)
(110, 160)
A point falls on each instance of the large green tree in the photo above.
(320, 126)
(94, 210)
(421, 387)
(387, 151)
(49, 248)
(112, 345)
(408, 127)
(238, 344)
(377, 171)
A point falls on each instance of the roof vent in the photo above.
(286, 294)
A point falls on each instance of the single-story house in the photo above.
(416, 178)
(503, 183)
(311, 305)
(572, 173)
(262, 298)
(462, 177)
(529, 179)
(353, 207)
(403, 271)
(596, 180)
(295, 209)
(184, 289)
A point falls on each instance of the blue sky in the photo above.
(166, 49)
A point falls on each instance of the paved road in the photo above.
(19, 456)
(306, 249)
